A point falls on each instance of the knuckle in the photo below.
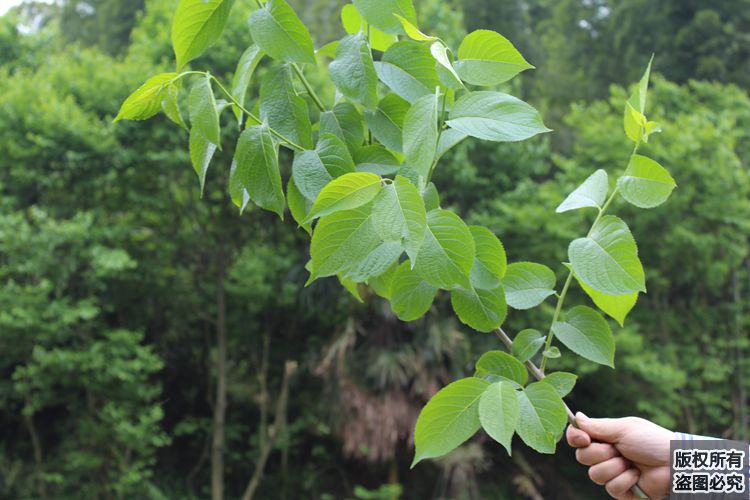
(634, 421)
(619, 462)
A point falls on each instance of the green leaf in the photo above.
(221, 105)
(526, 344)
(449, 418)
(431, 197)
(345, 122)
(607, 259)
(257, 163)
(411, 296)
(313, 169)
(447, 252)
(201, 153)
(645, 183)
(495, 116)
(398, 214)
(638, 98)
(328, 50)
(440, 52)
(380, 13)
(499, 412)
(382, 283)
(449, 138)
(406, 171)
(551, 353)
(237, 192)
(352, 20)
(380, 257)
(487, 58)
(542, 417)
(617, 306)
(147, 100)
(353, 71)
(501, 364)
(279, 32)
(354, 23)
(352, 287)
(587, 334)
(171, 106)
(203, 115)
(527, 284)
(298, 205)
(284, 110)
(563, 382)
(196, 26)
(482, 310)
(412, 31)
(490, 261)
(421, 134)
(592, 193)
(346, 192)
(651, 128)
(242, 76)
(376, 159)
(387, 121)
(334, 155)
(408, 69)
(634, 123)
(309, 173)
(346, 243)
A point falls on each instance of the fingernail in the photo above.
(581, 417)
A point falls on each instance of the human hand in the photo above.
(622, 452)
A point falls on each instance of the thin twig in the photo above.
(308, 87)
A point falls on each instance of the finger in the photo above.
(606, 471)
(608, 430)
(596, 453)
(577, 438)
(619, 487)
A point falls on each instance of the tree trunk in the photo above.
(38, 455)
(273, 432)
(220, 405)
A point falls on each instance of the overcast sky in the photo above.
(7, 4)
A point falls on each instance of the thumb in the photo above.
(608, 430)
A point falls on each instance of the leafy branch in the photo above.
(569, 279)
(360, 185)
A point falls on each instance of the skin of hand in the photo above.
(621, 452)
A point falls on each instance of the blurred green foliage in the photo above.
(111, 265)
